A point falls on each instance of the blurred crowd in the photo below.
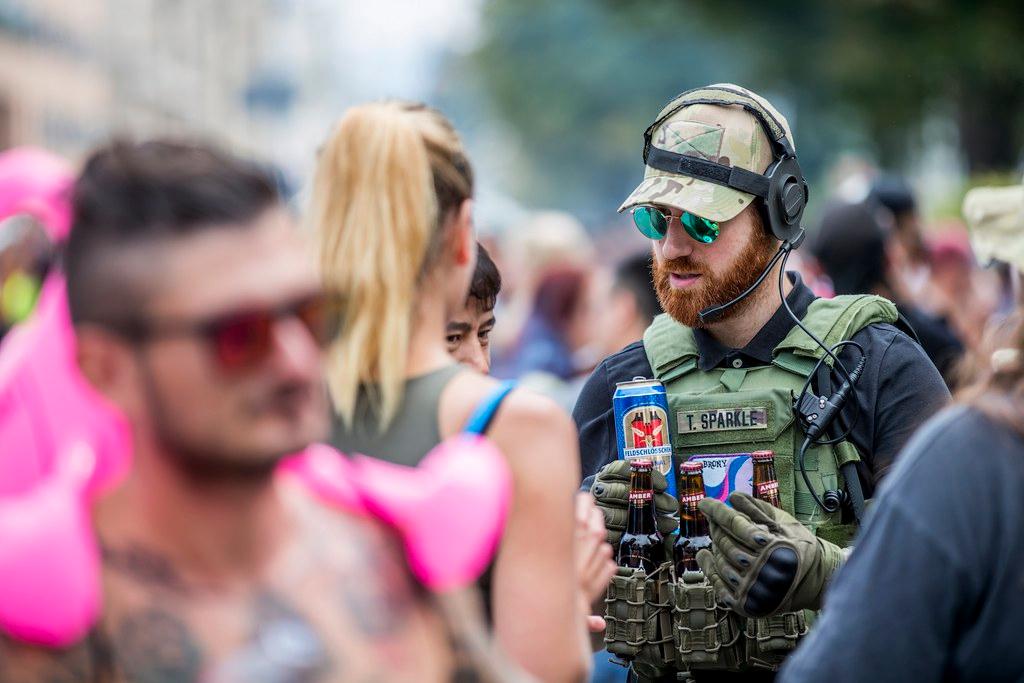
(184, 244)
(565, 305)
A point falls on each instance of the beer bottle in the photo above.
(641, 545)
(693, 525)
(766, 484)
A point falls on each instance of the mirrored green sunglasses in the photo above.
(653, 224)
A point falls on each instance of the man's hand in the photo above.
(611, 493)
(762, 561)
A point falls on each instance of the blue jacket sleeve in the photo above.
(892, 611)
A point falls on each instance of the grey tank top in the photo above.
(414, 429)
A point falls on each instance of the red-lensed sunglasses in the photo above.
(242, 339)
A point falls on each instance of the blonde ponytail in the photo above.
(385, 180)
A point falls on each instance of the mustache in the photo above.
(683, 264)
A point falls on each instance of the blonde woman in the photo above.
(392, 203)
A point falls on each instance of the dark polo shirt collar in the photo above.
(713, 354)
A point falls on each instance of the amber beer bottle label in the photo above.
(766, 484)
(690, 498)
(693, 526)
(641, 544)
(641, 497)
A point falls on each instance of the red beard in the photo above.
(713, 290)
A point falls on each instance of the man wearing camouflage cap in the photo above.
(721, 200)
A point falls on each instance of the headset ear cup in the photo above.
(787, 198)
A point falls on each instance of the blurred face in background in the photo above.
(468, 335)
(565, 302)
(586, 315)
(228, 376)
(690, 276)
(618, 320)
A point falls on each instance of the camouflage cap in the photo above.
(725, 134)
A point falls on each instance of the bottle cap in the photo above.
(692, 467)
(641, 465)
(762, 456)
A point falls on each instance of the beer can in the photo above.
(641, 425)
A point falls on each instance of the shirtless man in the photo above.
(199, 314)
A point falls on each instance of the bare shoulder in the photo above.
(522, 407)
(26, 663)
(537, 436)
(539, 439)
(527, 409)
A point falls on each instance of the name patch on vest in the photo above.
(722, 419)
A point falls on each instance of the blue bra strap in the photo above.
(481, 418)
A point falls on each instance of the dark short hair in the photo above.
(895, 194)
(130, 194)
(486, 284)
(635, 276)
(850, 247)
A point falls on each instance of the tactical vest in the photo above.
(751, 408)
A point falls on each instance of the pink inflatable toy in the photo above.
(449, 512)
(45, 403)
(61, 444)
(49, 560)
(36, 182)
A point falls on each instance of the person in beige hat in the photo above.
(751, 361)
(996, 218)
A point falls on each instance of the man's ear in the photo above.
(463, 233)
(106, 362)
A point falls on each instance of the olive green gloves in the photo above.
(762, 560)
(611, 493)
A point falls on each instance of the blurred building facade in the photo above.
(180, 65)
(265, 77)
(53, 91)
(72, 73)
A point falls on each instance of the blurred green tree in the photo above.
(893, 64)
(579, 86)
(580, 79)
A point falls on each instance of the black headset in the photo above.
(782, 187)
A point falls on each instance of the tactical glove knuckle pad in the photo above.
(771, 579)
(781, 567)
(761, 601)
